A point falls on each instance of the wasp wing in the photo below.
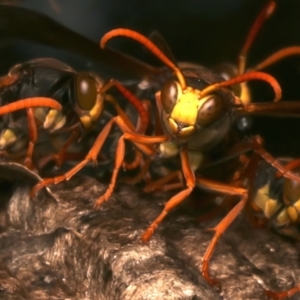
(36, 27)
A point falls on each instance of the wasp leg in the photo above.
(143, 114)
(138, 158)
(161, 184)
(32, 130)
(224, 224)
(93, 153)
(141, 141)
(91, 156)
(62, 154)
(178, 198)
(284, 294)
(143, 173)
(143, 119)
(255, 142)
(290, 166)
(226, 205)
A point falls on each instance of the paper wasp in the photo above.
(195, 114)
(81, 95)
(270, 107)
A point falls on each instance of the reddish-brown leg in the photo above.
(178, 198)
(139, 141)
(138, 158)
(32, 131)
(61, 155)
(290, 166)
(142, 142)
(284, 294)
(224, 224)
(271, 160)
(91, 156)
(161, 184)
(143, 114)
(143, 173)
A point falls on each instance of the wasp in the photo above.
(81, 95)
(195, 112)
(274, 201)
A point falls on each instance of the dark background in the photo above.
(207, 32)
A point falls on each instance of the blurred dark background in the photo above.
(207, 32)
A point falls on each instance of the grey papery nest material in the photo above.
(58, 247)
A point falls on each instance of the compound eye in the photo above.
(170, 93)
(86, 90)
(210, 110)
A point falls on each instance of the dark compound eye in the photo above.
(170, 93)
(210, 110)
(86, 90)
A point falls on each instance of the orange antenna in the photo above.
(246, 77)
(264, 14)
(149, 45)
(29, 103)
(283, 53)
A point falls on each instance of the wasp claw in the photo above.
(36, 188)
(147, 234)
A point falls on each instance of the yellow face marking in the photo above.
(186, 109)
(185, 112)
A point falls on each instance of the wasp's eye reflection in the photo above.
(86, 90)
(170, 93)
(210, 110)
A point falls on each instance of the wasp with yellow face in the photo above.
(196, 109)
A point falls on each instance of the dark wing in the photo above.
(36, 27)
(161, 43)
